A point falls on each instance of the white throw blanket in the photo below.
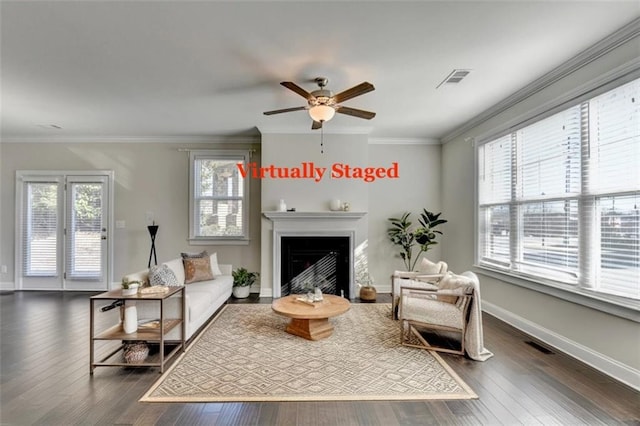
(474, 341)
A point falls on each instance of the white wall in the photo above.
(149, 177)
(417, 187)
(610, 342)
(154, 177)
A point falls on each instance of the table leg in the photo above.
(310, 329)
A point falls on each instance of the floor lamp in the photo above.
(153, 230)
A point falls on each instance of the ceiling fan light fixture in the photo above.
(321, 113)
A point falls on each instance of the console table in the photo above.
(167, 348)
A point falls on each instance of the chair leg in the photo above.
(410, 329)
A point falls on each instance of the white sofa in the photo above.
(202, 298)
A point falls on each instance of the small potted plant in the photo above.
(129, 288)
(242, 281)
(368, 292)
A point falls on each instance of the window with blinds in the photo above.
(40, 235)
(559, 199)
(84, 231)
(219, 201)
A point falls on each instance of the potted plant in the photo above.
(242, 281)
(129, 288)
(401, 234)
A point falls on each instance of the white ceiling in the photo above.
(106, 69)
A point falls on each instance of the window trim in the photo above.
(615, 305)
(244, 239)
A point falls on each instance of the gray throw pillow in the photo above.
(162, 275)
(194, 255)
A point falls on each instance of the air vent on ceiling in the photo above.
(455, 77)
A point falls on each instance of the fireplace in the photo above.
(312, 261)
(323, 239)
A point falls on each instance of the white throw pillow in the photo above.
(430, 268)
(215, 269)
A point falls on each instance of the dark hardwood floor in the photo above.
(44, 355)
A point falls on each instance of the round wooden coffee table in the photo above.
(310, 322)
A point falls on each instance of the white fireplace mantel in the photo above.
(324, 223)
(277, 216)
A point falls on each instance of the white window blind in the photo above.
(219, 205)
(565, 208)
(494, 180)
(40, 233)
(549, 157)
(614, 136)
(617, 270)
(612, 180)
(84, 231)
(495, 239)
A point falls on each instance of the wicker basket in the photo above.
(136, 352)
(368, 294)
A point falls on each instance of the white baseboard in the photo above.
(609, 366)
(266, 292)
(7, 285)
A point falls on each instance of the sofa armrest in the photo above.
(225, 268)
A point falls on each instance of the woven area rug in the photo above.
(245, 355)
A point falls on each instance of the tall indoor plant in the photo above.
(401, 234)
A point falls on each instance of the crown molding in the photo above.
(131, 139)
(404, 141)
(604, 46)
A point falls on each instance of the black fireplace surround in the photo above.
(308, 262)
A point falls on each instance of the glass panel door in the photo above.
(63, 226)
(86, 233)
(41, 233)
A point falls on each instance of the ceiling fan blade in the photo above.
(358, 90)
(299, 90)
(316, 125)
(360, 113)
(280, 111)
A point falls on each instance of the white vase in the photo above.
(335, 205)
(130, 323)
(282, 207)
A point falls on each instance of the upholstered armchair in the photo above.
(427, 276)
(452, 305)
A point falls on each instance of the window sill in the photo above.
(614, 305)
(218, 242)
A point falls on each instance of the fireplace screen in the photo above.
(309, 262)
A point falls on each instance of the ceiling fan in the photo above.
(323, 104)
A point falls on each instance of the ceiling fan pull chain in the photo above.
(322, 140)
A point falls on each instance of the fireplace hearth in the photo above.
(315, 261)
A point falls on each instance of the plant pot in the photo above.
(368, 294)
(241, 292)
(131, 291)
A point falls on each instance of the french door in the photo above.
(63, 231)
